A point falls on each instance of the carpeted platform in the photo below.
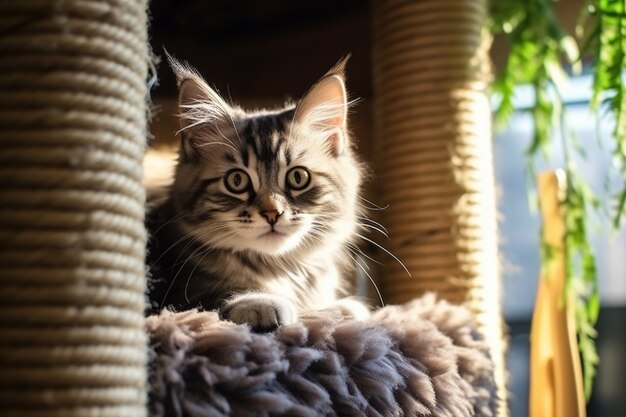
(419, 359)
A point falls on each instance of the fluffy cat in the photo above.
(263, 207)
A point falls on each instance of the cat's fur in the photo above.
(263, 254)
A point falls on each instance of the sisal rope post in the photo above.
(433, 132)
(72, 137)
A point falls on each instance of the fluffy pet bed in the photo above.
(419, 359)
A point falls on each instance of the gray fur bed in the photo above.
(419, 359)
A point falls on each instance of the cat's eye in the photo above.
(237, 181)
(298, 178)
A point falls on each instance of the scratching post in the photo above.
(433, 135)
(72, 135)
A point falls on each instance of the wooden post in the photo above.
(556, 387)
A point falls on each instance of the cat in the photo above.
(261, 215)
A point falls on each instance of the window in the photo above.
(519, 231)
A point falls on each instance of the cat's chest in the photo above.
(309, 284)
(314, 287)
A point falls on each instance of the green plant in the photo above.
(541, 55)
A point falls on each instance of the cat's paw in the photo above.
(263, 312)
(352, 308)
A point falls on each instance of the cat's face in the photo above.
(271, 182)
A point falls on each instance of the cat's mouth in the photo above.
(273, 234)
(272, 241)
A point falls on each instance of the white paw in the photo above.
(259, 310)
(352, 308)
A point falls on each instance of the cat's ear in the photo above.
(201, 109)
(325, 108)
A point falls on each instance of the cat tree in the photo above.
(72, 280)
(432, 129)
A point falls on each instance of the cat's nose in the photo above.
(271, 216)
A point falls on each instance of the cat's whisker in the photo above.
(314, 237)
(380, 296)
(190, 257)
(381, 228)
(371, 227)
(361, 253)
(224, 136)
(172, 246)
(232, 120)
(206, 252)
(169, 288)
(202, 229)
(324, 216)
(293, 119)
(321, 229)
(223, 239)
(168, 222)
(372, 206)
(207, 234)
(386, 251)
(207, 144)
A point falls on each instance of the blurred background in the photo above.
(260, 53)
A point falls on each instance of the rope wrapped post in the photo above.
(72, 137)
(433, 132)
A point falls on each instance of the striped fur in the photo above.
(219, 249)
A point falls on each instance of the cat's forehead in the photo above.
(269, 137)
(264, 124)
(262, 141)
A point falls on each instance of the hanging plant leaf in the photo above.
(542, 55)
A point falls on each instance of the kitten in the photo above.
(262, 210)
